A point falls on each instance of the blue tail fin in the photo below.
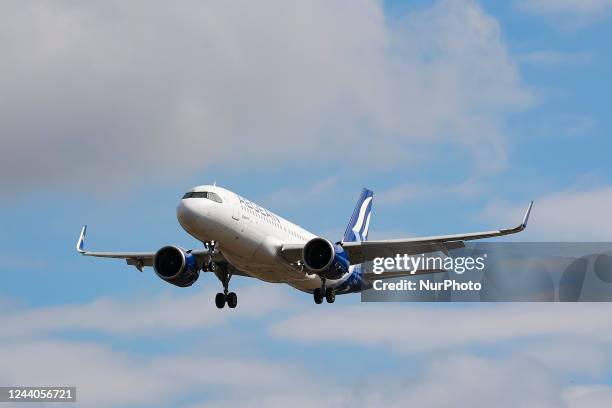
(357, 228)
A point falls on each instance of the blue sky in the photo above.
(456, 113)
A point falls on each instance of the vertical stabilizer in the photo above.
(358, 226)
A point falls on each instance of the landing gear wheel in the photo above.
(220, 300)
(330, 295)
(221, 272)
(318, 296)
(232, 300)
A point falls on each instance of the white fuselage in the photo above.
(249, 237)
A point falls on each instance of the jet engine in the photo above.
(325, 259)
(176, 266)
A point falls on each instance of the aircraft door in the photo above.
(236, 210)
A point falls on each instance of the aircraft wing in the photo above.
(359, 252)
(140, 259)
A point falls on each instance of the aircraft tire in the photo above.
(318, 296)
(220, 300)
(232, 300)
(330, 295)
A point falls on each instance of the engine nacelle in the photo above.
(325, 259)
(176, 266)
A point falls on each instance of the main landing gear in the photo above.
(328, 293)
(225, 297)
(230, 298)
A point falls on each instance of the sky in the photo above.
(456, 113)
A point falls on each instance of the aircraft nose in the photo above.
(186, 212)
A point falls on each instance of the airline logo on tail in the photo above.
(357, 229)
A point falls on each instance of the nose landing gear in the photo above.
(220, 270)
(209, 265)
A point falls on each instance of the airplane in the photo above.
(242, 238)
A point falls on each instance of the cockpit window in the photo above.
(215, 197)
(203, 194)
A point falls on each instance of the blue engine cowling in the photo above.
(176, 266)
(325, 259)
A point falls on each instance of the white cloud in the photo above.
(158, 316)
(104, 93)
(537, 346)
(571, 215)
(418, 328)
(465, 380)
(408, 192)
(592, 396)
(303, 195)
(452, 380)
(561, 355)
(106, 377)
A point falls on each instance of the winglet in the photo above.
(526, 216)
(81, 242)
